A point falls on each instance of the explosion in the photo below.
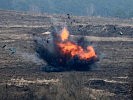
(61, 53)
(69, 48)
(64, 34)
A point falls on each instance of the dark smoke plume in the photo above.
(48, 50)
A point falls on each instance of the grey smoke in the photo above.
(31, 58)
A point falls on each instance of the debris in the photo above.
(114, 28)
(12, 50)
(121, 33)
(104, 28)
(4, 46)
(68, 16)
(48, 40)
(80, 27)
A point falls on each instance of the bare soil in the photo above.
(21, 70)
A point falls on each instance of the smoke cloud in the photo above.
(48, 50)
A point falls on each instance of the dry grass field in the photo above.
(21, 74)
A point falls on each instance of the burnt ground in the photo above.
(21, 74)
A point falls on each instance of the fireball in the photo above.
(72, 49)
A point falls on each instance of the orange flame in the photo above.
(72, 49)
(64, 34)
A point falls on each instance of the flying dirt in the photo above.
(66, 53)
